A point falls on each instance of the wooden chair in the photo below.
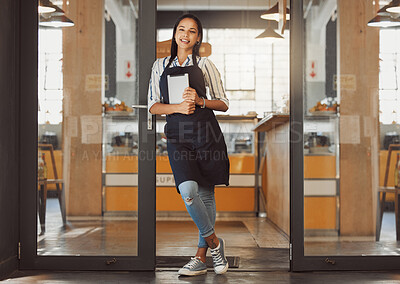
(381, 201)
(43, 189)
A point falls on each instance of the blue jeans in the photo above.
(200, 203)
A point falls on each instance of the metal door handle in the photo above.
(149, 116)
(139, 106)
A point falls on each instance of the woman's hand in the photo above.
(190, 94)
(186, 107)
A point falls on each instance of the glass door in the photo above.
(90, 203)
(344, 102)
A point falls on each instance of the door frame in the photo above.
(28, 126)
(300, 262)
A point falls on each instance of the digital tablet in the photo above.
(176, 85)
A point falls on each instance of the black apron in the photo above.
(196, 146)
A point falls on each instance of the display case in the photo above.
(321, 174)
(120, 165)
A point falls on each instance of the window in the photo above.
(255, 73)
(389, 64)
(239, 72)
(50, 84)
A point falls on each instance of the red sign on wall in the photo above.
(312, 73)
(128, 69)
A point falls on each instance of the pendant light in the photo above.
(56, 21)
(384, 19)
(270, 33)
(273, 13)
(393, 7)
(45, 6)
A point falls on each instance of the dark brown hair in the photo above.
(196, 47)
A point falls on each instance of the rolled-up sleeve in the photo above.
(213, 81)
(153, 94)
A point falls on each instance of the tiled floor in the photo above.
(262, 249)
(357, 245)
(266, 234)
(256, 241)
(253, 243)
(118, 235)
(348, 248)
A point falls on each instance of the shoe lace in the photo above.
(193, 262)
(217, 257)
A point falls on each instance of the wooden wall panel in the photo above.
(320, 213)
(167, 199)
(121, 199)
(278, 175)
(121, 164)
(359, 83)
(234, 199)
(240, 164)
(319, 166)
(82, 124)
(162, 165)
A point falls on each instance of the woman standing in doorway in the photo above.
(196, 146)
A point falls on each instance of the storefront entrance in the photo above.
(104, 171)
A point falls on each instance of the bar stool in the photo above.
(43, 189)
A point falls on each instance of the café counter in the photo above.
(120, 170)
(320, 176)
(273, 168)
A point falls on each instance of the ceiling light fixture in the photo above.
(384, 21)
(384, 18)
(270, 34)
(56, 21)
(269, 31)
(273, 13)
(45, 6)
(393, 7)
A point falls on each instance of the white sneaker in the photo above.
(218, 255)
(194, 267)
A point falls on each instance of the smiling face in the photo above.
(187, 34)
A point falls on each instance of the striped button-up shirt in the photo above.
(212, 78)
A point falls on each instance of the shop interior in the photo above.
(88, 132)
(93, 130)
(351, 126)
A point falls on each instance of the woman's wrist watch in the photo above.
(204, 103)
